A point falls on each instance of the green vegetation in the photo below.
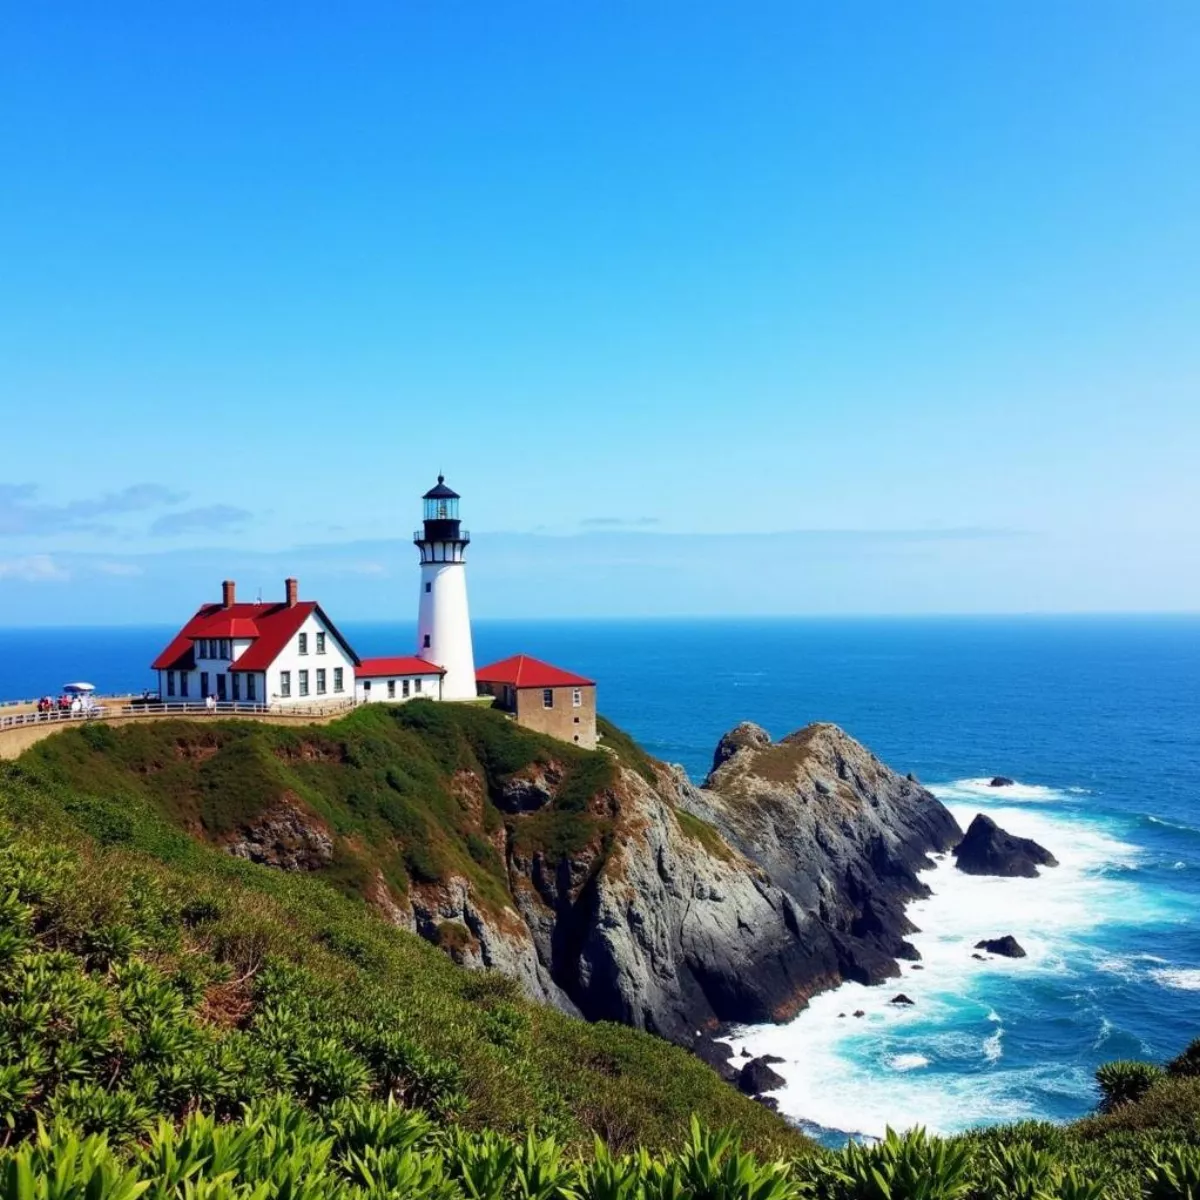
(181, 1024)
(407, 794)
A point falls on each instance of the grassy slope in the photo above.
(144, 973)
(93, 840)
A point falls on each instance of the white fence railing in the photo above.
(228, 708)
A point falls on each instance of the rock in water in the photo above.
(989, 850)
(1007, 946)
(757, 1076)
(1001, 781)
(901, 998)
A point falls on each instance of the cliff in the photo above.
(604, 882)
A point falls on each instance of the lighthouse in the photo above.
(443, 620)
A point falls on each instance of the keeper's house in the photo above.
(397, 679)
(542, 697)
(287, 653)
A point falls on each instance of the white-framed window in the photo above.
(251, 687)
(337, 679)
(577, 698)
(391, 689)
(170, 683)
(416, 685)
(183, 684)
(235, 681)
(405, 688)
(547, 697)
(303, 643)
(225, 648)
(320, 641)
(320, 681)
(303, 683)
(285, 683)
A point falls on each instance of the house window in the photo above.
(416, 685)
(235, 682)
(225, 649)
(251, 687)
(304, 683)
(337, 679)
(427, 641)
(170, 683)
(406, 688)
(321, 642)
(221, 693)
(391, 689)
(183, 683)
(204, 684)
(303, 643)
(320, 681)
(576, 697)
(576, 720)
(547, 697)
(285, 683)
(428, 587)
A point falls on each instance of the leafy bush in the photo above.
(1125, 1081)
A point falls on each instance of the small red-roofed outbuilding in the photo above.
(543, 697)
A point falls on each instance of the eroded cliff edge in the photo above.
(786, 873)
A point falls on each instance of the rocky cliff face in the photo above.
(673, 907)
(786, 873)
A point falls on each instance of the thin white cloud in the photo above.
(33, 568)
(119, 569)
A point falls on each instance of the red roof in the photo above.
(404, 664)
(268, 626)
(522, 671)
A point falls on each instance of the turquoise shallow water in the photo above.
(1099, 721)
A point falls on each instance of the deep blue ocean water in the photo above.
(1098, 719)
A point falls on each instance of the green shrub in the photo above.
(1124, 1082)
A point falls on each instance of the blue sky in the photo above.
(910, 293)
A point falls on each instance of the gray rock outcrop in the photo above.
(989, 850)
(1006, 946)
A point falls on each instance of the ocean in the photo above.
(1098, 721)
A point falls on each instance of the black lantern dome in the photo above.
(441, 515)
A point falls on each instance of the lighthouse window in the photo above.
(576, 698)
(428, 586)
(427, 641)
(547, 697)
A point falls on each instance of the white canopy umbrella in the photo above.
(78, 689)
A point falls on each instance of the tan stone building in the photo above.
(543, 697)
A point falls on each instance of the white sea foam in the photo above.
(981, 789)
(832, 1060)
(1181, 980)
(907, 1062)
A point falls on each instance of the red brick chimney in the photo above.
(227, 592)
(293, 589)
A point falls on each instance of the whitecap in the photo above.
(969, 789)
(992, 1049)
(907, 1062)
(1182, 979)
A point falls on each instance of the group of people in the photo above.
(65, 704)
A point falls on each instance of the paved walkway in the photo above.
(21, 727)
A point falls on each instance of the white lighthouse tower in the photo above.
(443, 621)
